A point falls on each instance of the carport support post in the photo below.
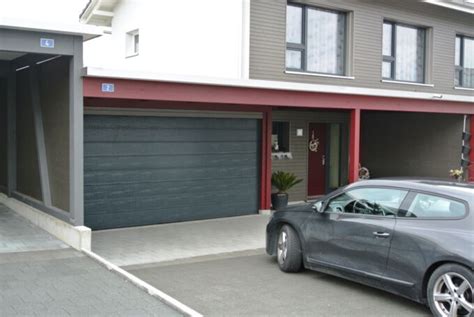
(76, 139)
(11, 131)
(354, 145)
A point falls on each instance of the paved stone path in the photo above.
(55, 280)
(18, 235)
(167, 242)
(67, 283)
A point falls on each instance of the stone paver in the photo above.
(65, 282)
(250, 284)
(18, 234)
(159, 243)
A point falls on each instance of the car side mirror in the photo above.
(318, 206)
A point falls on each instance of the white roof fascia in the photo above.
(267, 84)
(452, 6)
(86, 31)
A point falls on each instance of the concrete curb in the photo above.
(78, 237)
(151, 290)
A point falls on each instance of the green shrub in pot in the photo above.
(282, 181)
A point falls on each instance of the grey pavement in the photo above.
(250, 284)
(158, 243)
(41, 276)
(18, 234)
(68, 283)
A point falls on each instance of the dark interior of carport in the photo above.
(36, 94)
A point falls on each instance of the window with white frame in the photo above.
(132, 43)
(403, 52)
(315, 39)
(464, 62)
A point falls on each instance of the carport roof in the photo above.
(86, 31)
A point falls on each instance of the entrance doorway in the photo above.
(317, 159)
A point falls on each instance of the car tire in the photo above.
(289, 255)
(451, 287)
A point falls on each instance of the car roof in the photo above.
(441, 186)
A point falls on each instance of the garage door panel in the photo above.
(146, 217)
(103, 149)
(225, 201)
(129, 122)
(165, 189)
(139, 171)
(169, 135)
(170, 174)
(93, 164)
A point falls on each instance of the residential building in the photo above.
(188, 111)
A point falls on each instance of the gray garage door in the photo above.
(150, 170)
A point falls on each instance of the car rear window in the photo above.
(431, 206)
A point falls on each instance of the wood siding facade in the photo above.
(268, 42)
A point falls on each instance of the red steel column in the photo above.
(471, 154)
(266, 171)
(354, 145)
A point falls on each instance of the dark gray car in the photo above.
(414, 238)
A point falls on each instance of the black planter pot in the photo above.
(279, 201)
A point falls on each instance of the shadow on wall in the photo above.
(410, 144)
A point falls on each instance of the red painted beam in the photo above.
(166, 91)
(266, 163)
(471, 154)
(354, 145)
(268, 157)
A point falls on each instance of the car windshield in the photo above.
(371, 201)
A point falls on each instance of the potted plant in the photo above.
(282, 181)
(457, 174)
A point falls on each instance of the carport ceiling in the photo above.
(8, 56)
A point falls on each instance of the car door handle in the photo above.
(381, 234)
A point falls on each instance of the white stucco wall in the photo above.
(186, 37)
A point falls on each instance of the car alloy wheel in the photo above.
(453, 295)
(282, 251)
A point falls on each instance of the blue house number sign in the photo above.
(106, 87)
(47, 43)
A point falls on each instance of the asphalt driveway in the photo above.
(249, 283)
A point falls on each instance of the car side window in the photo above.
(431, 206)
(368, 201)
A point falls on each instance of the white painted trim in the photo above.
(463, 88)
(450, 6)
(267, 84)
(77, 237)
(86, 31)
(151, 290)
(245, 63)
(291, 72)
(405, 83)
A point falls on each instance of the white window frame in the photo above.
(132, 42)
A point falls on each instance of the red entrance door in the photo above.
(317, 159)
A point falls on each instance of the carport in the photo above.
(41, 117)
(413, 144)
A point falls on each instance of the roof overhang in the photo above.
(99, 12)
(86, 31)
(466, 6)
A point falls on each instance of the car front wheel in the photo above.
(289, 250)
(450, 291)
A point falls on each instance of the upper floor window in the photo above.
(403, 52)
(315, 39)
(464, 61)
(132, 43)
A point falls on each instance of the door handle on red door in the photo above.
(381, 234)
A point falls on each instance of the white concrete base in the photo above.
(77, 237)
(266, 212)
